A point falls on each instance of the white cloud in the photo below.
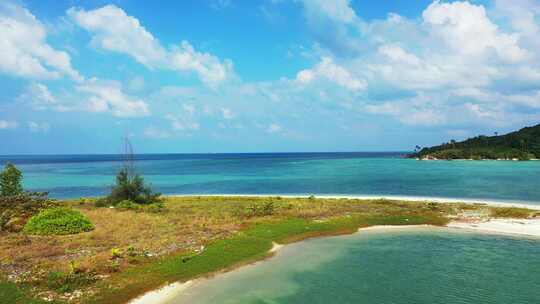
(39, 97)
(328, 70)
(397, 54)
(8, 124)
(107, 96)
(24, 51)
(410, 112)
(116, 31)
(466, 28)
(37, 127)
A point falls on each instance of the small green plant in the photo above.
(10, 181)
(58, 221)
(116, 253)
(127, 204)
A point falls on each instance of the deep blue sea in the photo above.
(390, 174)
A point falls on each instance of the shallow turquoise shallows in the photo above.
(414, 267)
(71, 176)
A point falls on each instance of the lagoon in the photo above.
(413, 266)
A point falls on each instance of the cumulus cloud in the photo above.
(466, 28)
(330, 71)
(93, 95)
(116, 31)
(24, 51)
(459, 64)
(107, 96)
(39, 97)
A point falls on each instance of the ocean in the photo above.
(387, 173)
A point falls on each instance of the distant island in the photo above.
(519, 145)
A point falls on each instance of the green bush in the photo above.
(131, 187)
(10, 181)
(264, 209)
(58, 221)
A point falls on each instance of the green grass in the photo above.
(16, 294)
(246, 246)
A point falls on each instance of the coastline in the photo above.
(493, 203)
(511, 227)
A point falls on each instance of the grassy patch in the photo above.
(16, 294)
(246, 246)
(58, 221)
(511, 212)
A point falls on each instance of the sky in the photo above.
(214, 76)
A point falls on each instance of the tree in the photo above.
(10, 181)
(130, 185)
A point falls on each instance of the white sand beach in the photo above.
(522, 227)
(162, 295)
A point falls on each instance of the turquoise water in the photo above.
(288, 173)
(416, 267)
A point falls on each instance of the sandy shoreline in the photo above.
(494, 203)
(516, 227)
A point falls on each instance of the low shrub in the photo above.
(127, 204)
(264, 209)
(154, 208)
(58, 221)
(131, 187)
(16, 209)
(102, 202)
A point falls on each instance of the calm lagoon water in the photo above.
(413, 267)
(70, 176)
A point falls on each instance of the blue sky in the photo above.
(264, 76)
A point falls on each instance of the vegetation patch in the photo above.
(132, 251)
(16, 205)
(16, 294)
(511, 212)
(520, 145)
(58, 221)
